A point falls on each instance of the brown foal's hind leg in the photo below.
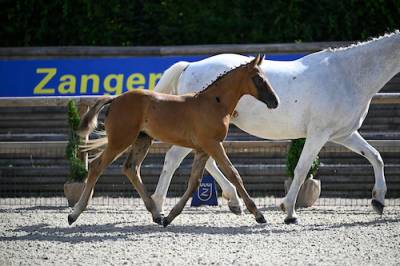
(131, 169)
(199, 163)
(95, 170)
(217, 151)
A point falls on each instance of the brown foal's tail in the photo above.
(89, 120)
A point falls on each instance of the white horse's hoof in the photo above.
(291, 220)
(234, 204)
(158, 219)
(377, 206)
(234, 208)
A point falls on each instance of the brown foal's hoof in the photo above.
(260, 219)
(165, 222)
(377, 206)
(292, 220)
(71, 219)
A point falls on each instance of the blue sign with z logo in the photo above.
(206, 194)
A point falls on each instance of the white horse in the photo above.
(324, 97)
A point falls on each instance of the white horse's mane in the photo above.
(220, 76)
(358, 44)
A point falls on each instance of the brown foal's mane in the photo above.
(221, 76)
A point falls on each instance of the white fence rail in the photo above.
(379, 98)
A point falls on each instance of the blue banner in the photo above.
(206, 194)
(88, 76)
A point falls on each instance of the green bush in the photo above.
(77, 168)
(179, 22)
(295, 149)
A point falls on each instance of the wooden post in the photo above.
(82, 109)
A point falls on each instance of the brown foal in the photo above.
(199, 121)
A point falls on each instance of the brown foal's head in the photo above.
(258, 85)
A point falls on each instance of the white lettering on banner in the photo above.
(205, 191)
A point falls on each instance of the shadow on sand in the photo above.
(127, 231)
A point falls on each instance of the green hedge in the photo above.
(174, 22)
(77, 169)
(293, 156)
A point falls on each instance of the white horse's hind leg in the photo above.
(358, 144)
(229, 190)
(313, 145)
(173, 158)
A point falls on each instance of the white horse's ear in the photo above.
(262, 56)
(255, 60)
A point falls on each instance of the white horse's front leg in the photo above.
(358, 144)
(312, 146)
(228, 190)
(173, 158)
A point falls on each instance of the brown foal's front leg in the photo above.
(199, 162)
(131, 169)
(217, 151)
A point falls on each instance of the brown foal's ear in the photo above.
(256, 60)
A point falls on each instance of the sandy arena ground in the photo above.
(125, 235)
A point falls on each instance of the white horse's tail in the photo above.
(169, 80)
